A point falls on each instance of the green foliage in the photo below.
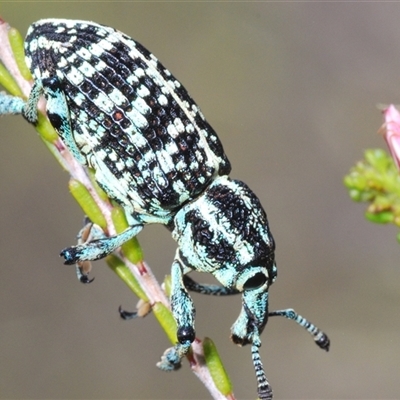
(124, 273)
(8, 82)
(216, 368)
(131, 248)
(166, 320)
(17, 46)
(376, 180)
(82, 195)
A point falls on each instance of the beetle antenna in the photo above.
(320, 338)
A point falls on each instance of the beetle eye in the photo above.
(255, 281)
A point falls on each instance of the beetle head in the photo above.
(225, 232)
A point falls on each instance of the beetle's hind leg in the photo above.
(142, 309)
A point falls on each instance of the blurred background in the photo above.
(291, 89)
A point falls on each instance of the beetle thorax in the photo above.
(224, 231)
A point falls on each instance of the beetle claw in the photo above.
(85, 279)
(126, 315)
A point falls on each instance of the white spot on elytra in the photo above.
(162, 100)
(105, 44)
(142, 91)
(141, 106)
(139, 72)
(79, 99)
(75, 77)
(117, 97)
(103, 102)
(84, 53)
(179, 125)
(96, 50)
(172, 131)
(132, 79)
(137, 118)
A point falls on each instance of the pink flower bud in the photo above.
(391, 132)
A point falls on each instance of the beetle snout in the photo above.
(252, 318)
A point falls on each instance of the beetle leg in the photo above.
(321, 339)
(15, 105)
(182, 305)
(30, 108)
(11, 104)
(171, 359)
(184, 312)
(213, 290)
(98, 248)
(143, 308)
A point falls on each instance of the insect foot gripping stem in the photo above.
(172, 357)
(98, 248)
(120, 112)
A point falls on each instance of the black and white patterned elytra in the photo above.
(140, 119)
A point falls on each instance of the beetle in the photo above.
(122, 113)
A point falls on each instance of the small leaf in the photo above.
(86, 201)
(355, 181)
(45, 129)
(123, 272)
(17, 46)
(102, 194)
(216, 368)
(131, 248)
(378, 159)
(8, 82)
(166, 320)
(383, 217)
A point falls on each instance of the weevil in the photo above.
(122, 113)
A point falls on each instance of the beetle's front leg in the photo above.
(15, 105)
(182, 305)
(99, 248)
(184, 312)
